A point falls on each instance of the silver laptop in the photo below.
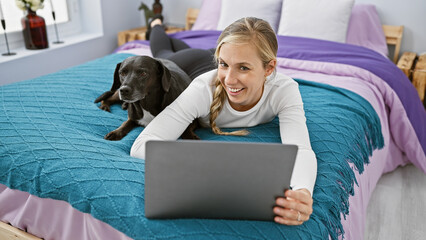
(211, 179)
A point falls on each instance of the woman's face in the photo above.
(242, 74)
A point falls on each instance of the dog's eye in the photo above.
(143, 73)
(123, 72)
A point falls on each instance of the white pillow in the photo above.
(320, 19)
(233, 10)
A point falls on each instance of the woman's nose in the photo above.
(230, 77)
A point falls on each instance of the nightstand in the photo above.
(139, 34)
(415, 69)
(406, 63)
(419, 76)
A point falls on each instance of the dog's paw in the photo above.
(105, 107)
(104, 96)
(114, 135)
(195, 137)
(189, 135)
(124, 105)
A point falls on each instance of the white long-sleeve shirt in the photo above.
(281, 97)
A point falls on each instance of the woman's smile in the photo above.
(235, 91)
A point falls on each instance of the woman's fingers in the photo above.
(295, 208)
(301, 195)
(289, 217)
(286, 221)
(294, 205)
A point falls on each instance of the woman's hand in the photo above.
(295, 208)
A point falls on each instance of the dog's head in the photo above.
(138, 76)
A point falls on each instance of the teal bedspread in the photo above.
(52, 146)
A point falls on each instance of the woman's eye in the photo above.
(244, 68)
(222, 64)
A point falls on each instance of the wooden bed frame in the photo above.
(8, 232)
(393, 37)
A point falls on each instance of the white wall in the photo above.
(174, 11)
(411, 14)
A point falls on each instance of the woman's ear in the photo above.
(270, 67)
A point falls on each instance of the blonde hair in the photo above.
(245, 30)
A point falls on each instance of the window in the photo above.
(13, 15)
(68, 21)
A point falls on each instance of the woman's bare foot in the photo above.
(155, 22)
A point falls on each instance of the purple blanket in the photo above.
(325, 51)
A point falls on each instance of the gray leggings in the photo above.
(191, 60)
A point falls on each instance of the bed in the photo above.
(59, 179)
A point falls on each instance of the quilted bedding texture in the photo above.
(52, 146)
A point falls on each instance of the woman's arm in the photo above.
(192, 103)
(296, 205)
(293, 130)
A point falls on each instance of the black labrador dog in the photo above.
(145, 86)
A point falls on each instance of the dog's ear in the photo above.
(116, 84)
(166, 79)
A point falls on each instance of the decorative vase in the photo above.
(157, 8)
(34, 30)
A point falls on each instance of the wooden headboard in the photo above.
(191, 16)
(393, 37)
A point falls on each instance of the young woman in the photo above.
(244, 90)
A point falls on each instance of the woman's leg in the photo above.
(178, 44)
(162, 45)
(192, 61)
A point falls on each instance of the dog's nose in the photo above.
(125, 90)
